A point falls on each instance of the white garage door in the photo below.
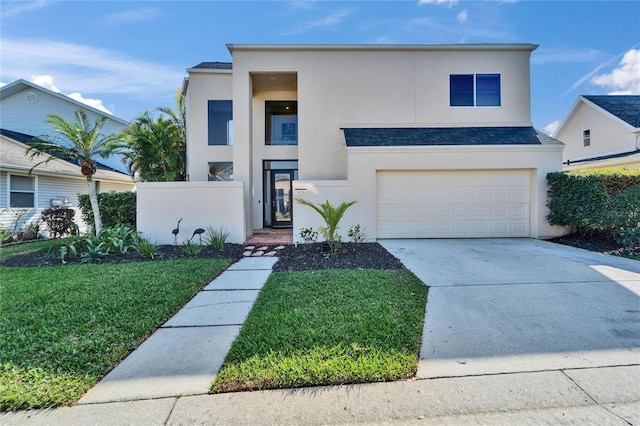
(453, 204)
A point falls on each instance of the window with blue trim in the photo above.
(474, 90)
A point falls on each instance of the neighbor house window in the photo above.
(221, 171)
(586, 137)
(220, 122)
(22, 191)
(474, 90)
(281, 123)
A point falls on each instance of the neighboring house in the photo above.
(24, 108)
(432, 141)
(601, 132)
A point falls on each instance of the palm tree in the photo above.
(158, 146)
(153, 152)
(80, 142)
(332, 216)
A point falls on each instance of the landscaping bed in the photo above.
(602, 243)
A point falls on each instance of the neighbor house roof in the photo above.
(17, 160)
(625, 107)
(604, 157)
(419, 136)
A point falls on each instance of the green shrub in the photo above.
(594, 201)
(216, 237)
(116, 208)
(59, 222)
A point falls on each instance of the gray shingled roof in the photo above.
(215, 65)
(408, 136)
(625, 107)
(25, 139)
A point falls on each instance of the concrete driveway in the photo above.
(520, 305)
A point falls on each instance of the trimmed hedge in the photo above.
(116, 208)
(594, 201)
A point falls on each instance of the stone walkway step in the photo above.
(185, 354)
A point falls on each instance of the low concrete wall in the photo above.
(199, 204)
(319, 191)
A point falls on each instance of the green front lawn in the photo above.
(328, 327)
(63, 328)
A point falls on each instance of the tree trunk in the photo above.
(93, 198)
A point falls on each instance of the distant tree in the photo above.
(157, 146)
(80, 142)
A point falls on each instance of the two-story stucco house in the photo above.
(601, 131)
(432, 141)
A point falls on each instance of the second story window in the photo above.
(220, 122)
(480, 90)
(586, 137)
(281, 123)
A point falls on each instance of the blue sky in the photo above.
(128, 56)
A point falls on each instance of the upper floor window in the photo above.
(22, 191)
(586, 137)
(281, 123)
(220, 122)
(474, 90)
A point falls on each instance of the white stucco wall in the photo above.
(199, 204)
(204, 87)
(608, 135)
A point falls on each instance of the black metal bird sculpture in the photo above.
(198, 232)
(175, 233)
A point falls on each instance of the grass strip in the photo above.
(63, 328)
(328, 327)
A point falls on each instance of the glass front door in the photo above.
(281, 191)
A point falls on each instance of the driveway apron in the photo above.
(520, 305)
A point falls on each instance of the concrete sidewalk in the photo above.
(184, 355)
(597, 396)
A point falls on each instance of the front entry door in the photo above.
(281, 202)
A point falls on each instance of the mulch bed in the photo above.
(291, 258)
(597, 242)
(304, 257)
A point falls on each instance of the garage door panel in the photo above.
(453, 204)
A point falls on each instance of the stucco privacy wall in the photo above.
(199, 204)
(365, 162)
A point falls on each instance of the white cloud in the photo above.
(2, 84)
(331, 20)
(135, 16)
(96, 103)
(551, 128)
(10, 9)
(463, 16)
(439, 2)
(565, 56)
(625, 79)
(46, 81)
(87, 69)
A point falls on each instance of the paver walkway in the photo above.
(185, 354)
